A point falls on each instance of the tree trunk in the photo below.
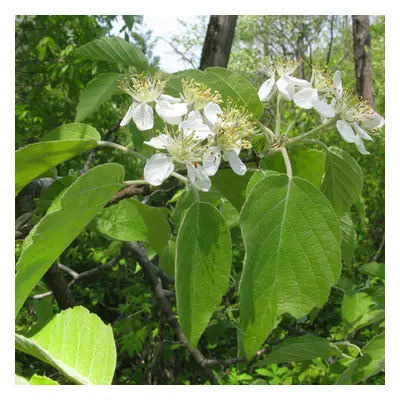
(218, 42)
(363, 59)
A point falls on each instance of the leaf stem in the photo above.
(278, 117)
(315, 130)
(287, 161)
(122, 148)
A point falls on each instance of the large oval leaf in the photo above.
(70, 212)
(114, 50)
(72, 131)
(349, 239)
(292, 239)
(203, 264)
(78, 344)
(97, 92)
(343, 180)
(230, 85)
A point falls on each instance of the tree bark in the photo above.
(363, 59)
(218, 42)
(56, 282)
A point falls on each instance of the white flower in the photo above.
(355, 117)
(315, 96)
(145, 90)
(183, 148)
(229, 130)
(280, 79)
(197, 95)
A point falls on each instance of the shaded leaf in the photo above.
(203, 264)
(349, 239)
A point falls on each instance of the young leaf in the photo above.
(374, 269)
(74, 131)
(72, 210)
(292, 239)
(77, 343)
(369, 364)
(203, 264)
(349, 239)
(97, 92)
(359, 309)
(122, 221)
(343, 180)
(300, 349)
(114, 50)
(229, 84)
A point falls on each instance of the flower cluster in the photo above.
(354, 118)
(201, 132)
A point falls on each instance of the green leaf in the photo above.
(167, 259)
(232, 186)
(349, 239)
(53, 191)
(203, 264)
(300, 349)
(374, 269)
(122, 221)
(292, 238)
(369, 364)
(20, 380)
(114, 50)
(306, 163)
(157, 225)
(256, 177)
(97, 92)
(74, 131)
(343, 180)
(230, 214)
(34, 159)
(72, 210)
(359, 310)
(230, 85)
(78, 344)
(41, 380)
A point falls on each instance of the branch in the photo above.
(126, 193)
(76, 276)
(150, 272)
(377, 254)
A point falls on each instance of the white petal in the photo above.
(143, 117)
(236, 163)
(346, 132)
(364, 135)
(360, 145)
(211, 111)
(374, 121)
(212, 160)
(296, 81)
(158, 168)
(194, 125)
(337, 81)
(285, 88)
(128, 115)
(305, 97)
(325, 109)
(381, 123)
(159, 142)
(198, 177)
(171, 113)
(267, 89)
(170, 99)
